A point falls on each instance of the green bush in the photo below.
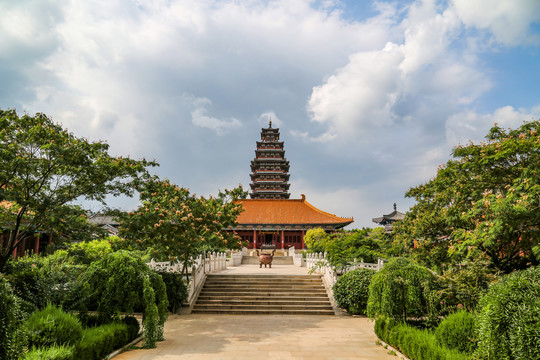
(415, 343)
(52, 326)
(401, 289)
(11, 319)
(51, 353)
(87, 252)
(509, 317)
(351, 291)
(124, 289)
(176, 290)
(99, 341)
(456, 331)
(133, 326)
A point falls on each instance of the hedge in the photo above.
(414, 343)
(52, 326)
(351, 291)
(99, 341)
(51, 353)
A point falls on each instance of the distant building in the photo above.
(388, 220)
(270, 217)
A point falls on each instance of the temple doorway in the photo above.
(268, 239)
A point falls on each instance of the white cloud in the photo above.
(199, 118)
(469, 125)
(509, 21)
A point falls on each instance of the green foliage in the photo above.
(415, 343)
(456, 331)
(401, 289)
(12, 338)
(55, 352)
(177, 291)
(150, 316)
(315, 240)
(39, 280)
(351, 291)
(87, 252)
(52, 326)
(99, 341)
(482, 204)
(133, 326)
(344, 247)
(43, 168)
(463, 286)
(508, 319)
(177, 223)
(130, 284)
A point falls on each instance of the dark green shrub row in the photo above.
(351, 291)
(456, 331)
(11, 320)
(52, 326)
(415, 343)
(509, 318)
(99, 341)
(51, 353)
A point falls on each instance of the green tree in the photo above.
(177, 224)
(316, 240)
(483, 204)
(43, 168)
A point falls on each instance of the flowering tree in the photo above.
(483, 204)
(177, 224)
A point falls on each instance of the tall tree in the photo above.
(485, 203)
(43, 168)
(178, 224)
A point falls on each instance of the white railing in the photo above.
(298, 258)
(201, 265)
(318, 263)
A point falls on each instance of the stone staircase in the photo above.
(263, 294)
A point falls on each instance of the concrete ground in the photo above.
(227, 337)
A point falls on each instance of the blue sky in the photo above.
(370, 96)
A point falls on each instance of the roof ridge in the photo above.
(324, 212)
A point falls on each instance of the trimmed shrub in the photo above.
(99, 341)
(351, 291)
(176, 289)
(401, 289)
(133, 326)
(509, 317)
(456, 331)
(415, 343)
(11, 320)
(51, 353)
(52, 326)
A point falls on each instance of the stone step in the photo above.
(263, 281)
(261, 307)
(263, 286)
(262, 312)
(254, 276)
(236, 301)
(254, 298)
(263, 292)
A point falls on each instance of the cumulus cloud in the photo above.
(509, 21)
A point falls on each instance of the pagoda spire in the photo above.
(269, 169)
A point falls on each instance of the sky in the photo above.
(370, 96)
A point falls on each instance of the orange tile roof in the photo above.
(289, 211)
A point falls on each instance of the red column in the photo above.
(282, 239)
(36, 245)
(50, 239)
(303, 234)
(23, 246)
(254, 238)
(14, 254)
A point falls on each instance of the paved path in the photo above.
(227, 337)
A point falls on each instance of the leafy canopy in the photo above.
(178, 224)
(43, 168)
(483, 204)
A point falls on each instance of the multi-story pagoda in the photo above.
(269, 169)
(270, 217)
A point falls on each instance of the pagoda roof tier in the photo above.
(260, 143)
(269, 150)
(258, 160)
(259, 187)
(286, 212)
(261, 178)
